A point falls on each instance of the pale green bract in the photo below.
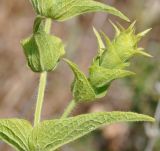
(81, 88)
(108, 65)
(113, 57)
(43, 51)
(101, 46)
(15, 132)
(100, 76)
(62, 10)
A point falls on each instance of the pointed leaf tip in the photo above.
(145, 54)
(142, 52)
(100, 42)
(132, 25)
(81, 88)
(115, 27)
(142, 34)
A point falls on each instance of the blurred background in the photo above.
(18, 85)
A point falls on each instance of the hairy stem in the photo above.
(42, 83)
(48, 24)
(69, 109)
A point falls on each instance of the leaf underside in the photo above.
(62, 10)
(52, 134)
(82, 89)
(15, 132)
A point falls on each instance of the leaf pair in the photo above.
(52, 134)
(62, 10)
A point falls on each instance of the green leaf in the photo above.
(43, 51)
(15, 132)
(81, 88)
(100, 76)
(50, 135)
(62, 10)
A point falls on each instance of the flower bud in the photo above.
(113, 57)
(122, 48)
(42, 51)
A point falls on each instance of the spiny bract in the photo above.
(109, 64)
(114, 57)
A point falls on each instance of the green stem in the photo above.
(48, 24)
(69, 109)
(42, 85)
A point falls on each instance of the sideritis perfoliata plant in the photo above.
(44, 51)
